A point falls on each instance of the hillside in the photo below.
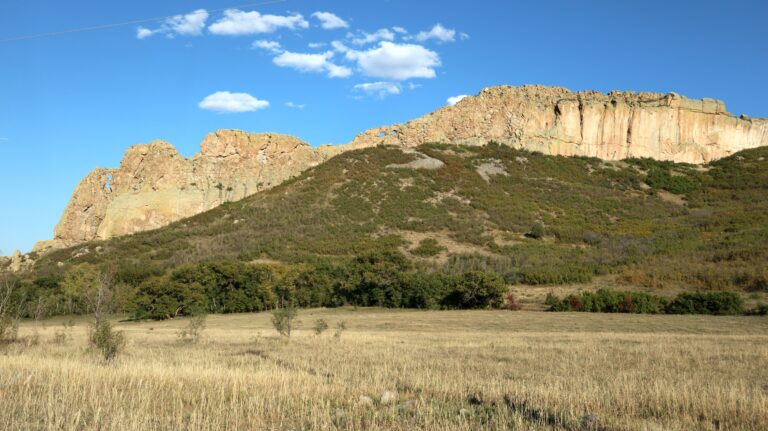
(533, 218)
(154, 185)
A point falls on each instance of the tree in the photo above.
(80, 282)
(282, 320)
(11, 308)
(478, 289)
(163, 298)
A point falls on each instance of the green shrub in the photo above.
(320, 326)
(428, 247)
(717, 303)
(341, 326)
(104, 339)
(477, 290)
(608, 301)
(162, 298)
(552, 274)
(282, 320)
(538, 231)
(760, 310)
(192, 332)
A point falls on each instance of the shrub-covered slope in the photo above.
(532, 218)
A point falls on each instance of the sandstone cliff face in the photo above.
(610, 126)
(155, 185)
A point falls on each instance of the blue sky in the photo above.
(71, 102)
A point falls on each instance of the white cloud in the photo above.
(316, 45)
(456, 99)
(191, 24)
(330, 21)
(335, 71)
(463, 36)
(269, 45)
(228, 103)
(339, 47)
(397, 62)
(312, 63)
(295, 105)
(363, 38)
(236, 22)
(143, 33)
(439, 33)
(381, 88)
(399, 30)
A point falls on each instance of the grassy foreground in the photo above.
(458, 370)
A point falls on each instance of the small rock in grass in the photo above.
(388, 397)
(407, 406)
(365, 400)
(589, 422)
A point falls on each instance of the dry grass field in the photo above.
(452, 370)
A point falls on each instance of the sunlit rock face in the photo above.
(155, 185)
(610, 126)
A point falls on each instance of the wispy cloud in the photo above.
(363, 38)
(381, 88)
(295, 105)
(438, 33)
(330, 21)
(269, 45)
(191, 24)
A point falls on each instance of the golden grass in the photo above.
(631, 372)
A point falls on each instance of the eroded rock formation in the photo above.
(155, 185)
(557, 121)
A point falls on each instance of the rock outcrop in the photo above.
(155, 185)
(610, 126)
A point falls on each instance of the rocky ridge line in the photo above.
(155, 185)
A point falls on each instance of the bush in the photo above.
(511, 303)
(552, 274)
(716, 303)
(428, 247)
(320, 326)
(162, 298)
(477, 290)
(194, 329)
(103, 338)
(538, 231)
(230, 286)
(612, 301)
(341, 326)
(608, 301)
(282, 320)
(760, 310)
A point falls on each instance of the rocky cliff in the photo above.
(155, 185)
(610, 126)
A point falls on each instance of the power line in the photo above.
(134, 22)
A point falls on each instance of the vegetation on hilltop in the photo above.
(527, 217)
